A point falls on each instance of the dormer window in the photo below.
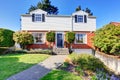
(80, 19)
(38, 17)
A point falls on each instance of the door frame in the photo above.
(62, 38)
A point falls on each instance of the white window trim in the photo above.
(85, 38)
(43, 35)
(35, 18)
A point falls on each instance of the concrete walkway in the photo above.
(38, 71)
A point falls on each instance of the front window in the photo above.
(80, 38)
(79, 18)
(38, 17)
(38, 38)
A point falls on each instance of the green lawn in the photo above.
(14, 63)
(60, 75)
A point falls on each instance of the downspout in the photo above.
(72, 24)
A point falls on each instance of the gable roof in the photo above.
(38, 10)
(80, 11)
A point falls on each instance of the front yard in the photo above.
(13, 63)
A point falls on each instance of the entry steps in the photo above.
(61, 51)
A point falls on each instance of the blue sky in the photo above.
(105, 10)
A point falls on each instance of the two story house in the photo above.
(38, 22)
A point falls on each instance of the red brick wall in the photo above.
(34, 46)
(77, 46)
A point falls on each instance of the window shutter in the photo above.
(75, 18)
(85, 19)
(43, 17)
(33, 17)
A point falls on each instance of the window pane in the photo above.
(38, 38)
(80, 38)
(80, 18)
(38, 17)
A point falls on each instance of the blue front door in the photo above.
(59, 40)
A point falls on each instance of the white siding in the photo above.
(57, 23)
(51, 23)
(89, 26)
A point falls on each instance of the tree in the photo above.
(50, 36)
(6, 38)
(46, 6)
(32, 8)
(78, 8)
(70, 37)
(107, 39)
(23, 38)
(86, 10)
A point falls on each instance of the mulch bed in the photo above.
(71, 68)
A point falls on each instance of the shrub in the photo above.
(6, 38)
(23, 38)
(70, 37)
(87, 62)
(107, 39)
(50, 36)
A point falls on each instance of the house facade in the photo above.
(38, 22)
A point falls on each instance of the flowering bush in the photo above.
(23, 38)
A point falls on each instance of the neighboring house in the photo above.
(38, 22)
(115, 23)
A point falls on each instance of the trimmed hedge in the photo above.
(6, 38)
(50, 36)
(70, 37)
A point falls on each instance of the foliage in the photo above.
(32, 8)
(107, 39)
(6, 38)
(50, 36)
(2, 49)
(87, 62)
(70, 37)
(46, 6)
(60, 75)
(23, 38)
(78, 8)
(86, 10)
(101, 75)
(35, 51)
(11, 64)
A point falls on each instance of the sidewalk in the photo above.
(41, 69)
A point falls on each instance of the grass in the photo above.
(13, 63)
(60, 75)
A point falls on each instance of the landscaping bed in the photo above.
(84, 66)
(2, 49)
(11, 64)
